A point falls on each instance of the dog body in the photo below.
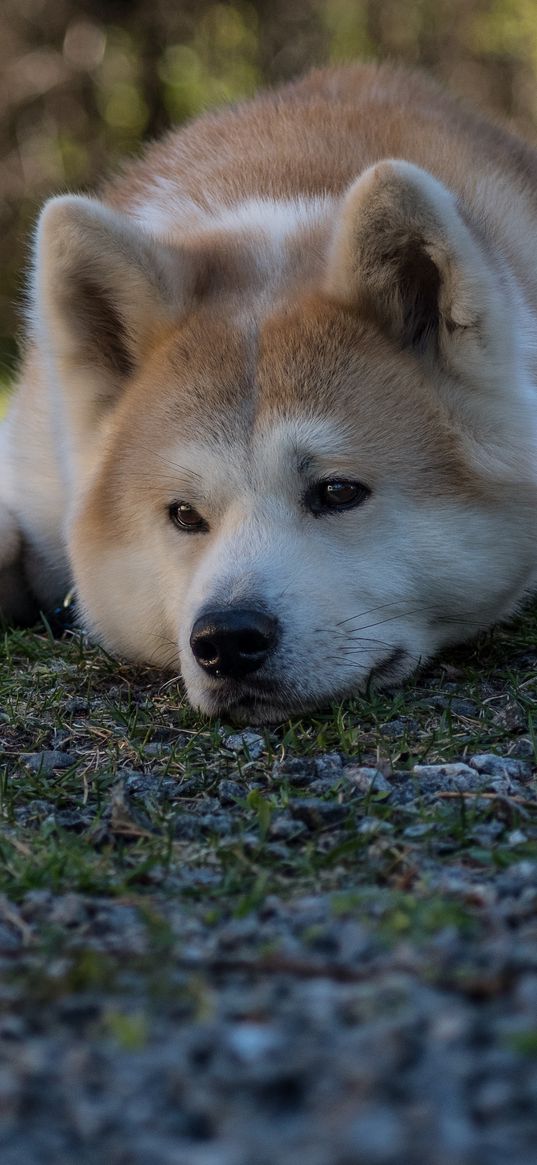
(277, 421)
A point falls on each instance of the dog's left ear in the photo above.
(402, 254)
(104, 290)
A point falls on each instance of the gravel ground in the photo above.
(279, 951)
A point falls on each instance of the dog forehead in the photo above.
(238, 399)
(260, 460)
(325, 357)
(307, 358)
(257, 393)
(302, 358)
(209, 366)
(381, 404)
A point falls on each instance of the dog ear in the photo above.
(402, 253)
(104, 289)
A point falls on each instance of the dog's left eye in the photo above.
(185, 517)
(332, 496)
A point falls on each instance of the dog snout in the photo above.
(233, 643)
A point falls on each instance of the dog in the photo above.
(276, 423)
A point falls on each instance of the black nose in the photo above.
(233, 642)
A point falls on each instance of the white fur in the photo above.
(164, 213)
(348, 590)
(366, 594)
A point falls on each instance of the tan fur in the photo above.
(336, 280)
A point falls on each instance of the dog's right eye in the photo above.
(334, 495)
(186, 518)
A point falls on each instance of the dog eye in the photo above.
(332, 496)
(185, 517)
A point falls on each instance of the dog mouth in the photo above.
(257, 703)
(388, 670)
(268, 701)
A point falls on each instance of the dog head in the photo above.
(289, 476)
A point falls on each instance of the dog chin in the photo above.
(260, 705)
(248, 708)
(262, 709)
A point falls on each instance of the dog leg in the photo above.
(17, 605)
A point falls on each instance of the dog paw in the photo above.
(16, 602)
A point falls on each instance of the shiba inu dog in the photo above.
(277, 419)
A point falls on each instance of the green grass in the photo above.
(76, 829)
(114, 719)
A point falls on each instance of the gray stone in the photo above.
(68, 910)
(247, 741)
(60, 737)
(230, 792)
(329, 765)
(487, 832)
(283, 828)
(323, 786)
(523, 747)
(218, 823)
(510, 767)
(72, 819)
(378, 1136)
(294, 770)
(155, 748)
(457, 772)
(420, 829)
(10, 939)
(367, 780)
(394, 728)
(77, 705)
(189, 826)
(48, 760)
(373, 825)
(147, 786)
(36, 811)
(316, 813)
(516, 837)
(252, 1041)
(460, 706)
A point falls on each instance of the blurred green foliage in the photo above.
(82, 83)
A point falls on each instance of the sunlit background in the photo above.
(82, 83)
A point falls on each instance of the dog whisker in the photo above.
(394, 602)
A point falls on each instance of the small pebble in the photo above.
(501, 766)
(457, 772)
(230, 792)
(372, 825)
(367, 780)
(295, 770)
(48, 760)
(248, 741)
(316, 813)
(516, 837)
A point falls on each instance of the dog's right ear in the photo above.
(403, 254)
(104, 291)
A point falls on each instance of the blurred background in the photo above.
(83, 83)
